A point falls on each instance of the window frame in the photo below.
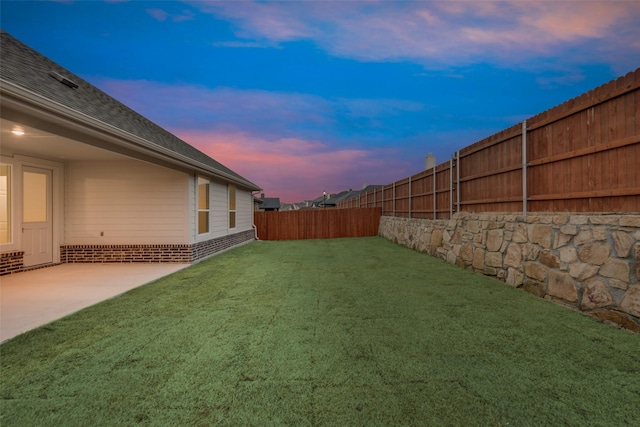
(203, 210)
(232, 203)
(10, 200)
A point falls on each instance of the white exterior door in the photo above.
(37, 224)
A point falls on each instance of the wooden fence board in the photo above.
(317, 223)
(582, 156)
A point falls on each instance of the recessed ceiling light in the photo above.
(17, 131)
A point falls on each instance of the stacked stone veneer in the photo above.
(12, 262)
(588, 262)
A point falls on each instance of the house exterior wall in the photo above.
(244, 205)
(122, 188)
(220, 236)
(132, 211)
(125, 202)
(219, 209)
(12, 253)
(153, 181)
(219, 216)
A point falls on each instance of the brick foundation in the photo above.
(184, 253)
(12, 262)
(204, 249)
(125, 253)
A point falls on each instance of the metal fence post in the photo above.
(458, 180)
(524, 168)
(435, 198)
(409, 197)
(450, 188)
(393, 208)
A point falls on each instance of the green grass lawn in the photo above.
(322, 332)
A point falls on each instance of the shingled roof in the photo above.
(271, 203)
(24, 67)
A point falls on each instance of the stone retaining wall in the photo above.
(587, 262)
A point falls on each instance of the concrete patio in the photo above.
(37, 297)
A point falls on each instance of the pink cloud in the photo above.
(162, 15)
(563, 21)
(281, 114)
(438, 34)
(269, 20)
(226, 107)
(265, 136)
(296, 169)
(158, 14)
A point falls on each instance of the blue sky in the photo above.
(305, 97)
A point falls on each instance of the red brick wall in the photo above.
(125, 253)
(204, 249)
(12, 262)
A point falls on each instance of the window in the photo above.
(34, 197)
(232, 206)
(5, 203)
(203, 205)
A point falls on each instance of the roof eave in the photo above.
(13, 95)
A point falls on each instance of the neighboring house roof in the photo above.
(351, 194)
(320, 201)
(271, 203)
(26, 76)
(295, 206)
(307, 204)
(342, 196)
(370, 188)
(333, 199)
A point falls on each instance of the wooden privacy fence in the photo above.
(581, 156)
(317, 224)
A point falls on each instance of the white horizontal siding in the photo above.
(193, 207)
(244, 206)
(219, 209)
(130, 202)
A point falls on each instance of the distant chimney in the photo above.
(262, 196)
(430, 161)
(364, 185)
